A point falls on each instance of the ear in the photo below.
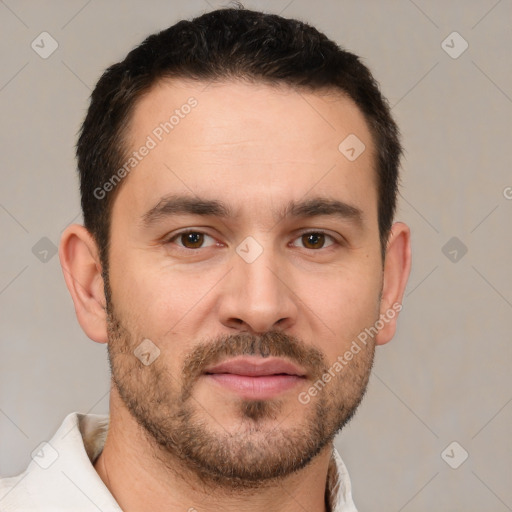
(79, 258)
(397, 267)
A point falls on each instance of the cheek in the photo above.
(346, 303)
(160, 300)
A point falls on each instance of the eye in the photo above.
(315, 240)
(192, 240)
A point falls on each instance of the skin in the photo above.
(255, 148)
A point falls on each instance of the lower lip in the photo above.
(256, 388)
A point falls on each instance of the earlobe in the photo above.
(78, 254)
(396, 273)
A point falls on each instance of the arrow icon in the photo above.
(454, 249)
(44, 45)
(146, 352)
(454, 45)
(351, 147)
(44, 455)
(249, 249)
(454, 455)
(44, 250)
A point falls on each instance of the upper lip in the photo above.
(256, 367)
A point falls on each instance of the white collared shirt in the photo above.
(61, 475)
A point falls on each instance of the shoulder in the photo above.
(61, 475)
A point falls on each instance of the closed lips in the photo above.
(256, 367)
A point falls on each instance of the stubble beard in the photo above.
(260, 450)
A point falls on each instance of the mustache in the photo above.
(270, 343)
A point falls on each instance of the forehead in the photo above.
(236, 110)
(253, 139)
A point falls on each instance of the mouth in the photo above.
(256, 378)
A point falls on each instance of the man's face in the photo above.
(252, 298)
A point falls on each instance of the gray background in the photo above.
(446, 375)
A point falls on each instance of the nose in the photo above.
(257, 296)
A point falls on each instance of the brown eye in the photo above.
(313, 240)
(192, 240)
(189, 240)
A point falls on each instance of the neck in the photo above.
(141, 477)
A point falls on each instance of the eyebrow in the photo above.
(172, 205)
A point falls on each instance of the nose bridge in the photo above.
(256, 274)
(257, 296)
(258, 278)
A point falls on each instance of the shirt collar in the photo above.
(338, 489)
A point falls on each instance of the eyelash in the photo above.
(171, 239)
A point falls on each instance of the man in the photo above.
(238, 181)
